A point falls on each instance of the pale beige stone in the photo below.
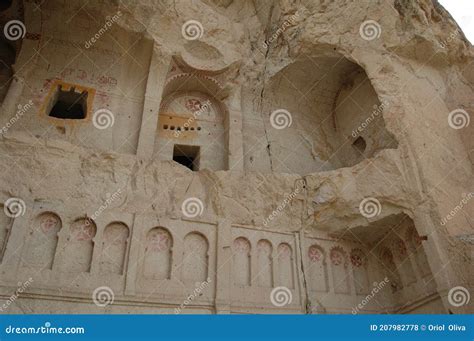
(271, 207)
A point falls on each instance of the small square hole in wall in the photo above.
(360, 144)
(68, 104)
(188, 156)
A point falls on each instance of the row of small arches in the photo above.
(71, 250)
(268, 270)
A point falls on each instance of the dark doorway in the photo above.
(188, 156)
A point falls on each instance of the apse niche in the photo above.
(336, 115)
(191, 122)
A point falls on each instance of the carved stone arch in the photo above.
(114, 248)
(264, 263)
(195, 257)
(360, 274)
(389, 268)
(318, 273)
(193, 121)
(241, 265)
(42, 241)
(79, 246)
(158, 254)
(339, 267)
(285, 265)
(402, 260)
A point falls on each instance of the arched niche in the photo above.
(241, 261)
(390, 269)
(195, 258)
(158, 254)
(42, 241)
(5, 228)
(360, 273)
(318, 275)
(80, 246)
(285, 265)
(339, 267)
(312, 110)
(265, 263)
(114, 248)
(402, 261)
(192, 122)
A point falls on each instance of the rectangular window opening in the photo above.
(187, 156)
(68, 104)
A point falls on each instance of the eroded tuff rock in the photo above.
(278, 203)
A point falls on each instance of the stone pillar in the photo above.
(133, 260)
(154, 89)
(224, 267)
(439, 260)
(234, 133)
(300, 270)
